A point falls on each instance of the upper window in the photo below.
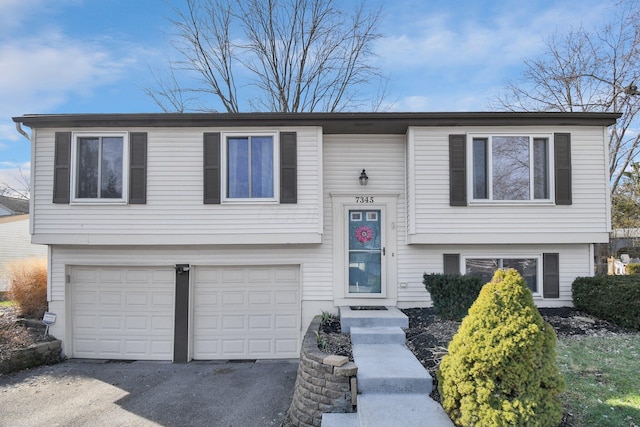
(250, 165)
(99, 172)
(484, 268)
(510, 168)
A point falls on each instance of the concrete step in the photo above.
(340, 420)
(406, 410)
(389, 368)
(378, 335)
(372, 318)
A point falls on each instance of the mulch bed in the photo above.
(18, 333)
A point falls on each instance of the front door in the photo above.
(366, 251)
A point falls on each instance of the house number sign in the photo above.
(364, 199)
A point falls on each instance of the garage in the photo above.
(122, 312)
(245, 312)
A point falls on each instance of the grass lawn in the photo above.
(7, 303)
(603, 380)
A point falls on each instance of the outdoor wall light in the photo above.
(363, 177)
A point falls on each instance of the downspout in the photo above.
(22, 132)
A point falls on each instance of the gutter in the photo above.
(21, 131)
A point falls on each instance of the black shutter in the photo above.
(288, 168)
(212, 168)
(562, 155)
(451, 263)
(551, 276)
(138, 168)
(457, 170)
(62, 168)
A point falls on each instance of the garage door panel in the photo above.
(248, 315)
(123, 312)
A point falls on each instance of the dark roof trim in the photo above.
(332, 123)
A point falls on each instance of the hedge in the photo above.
(612, 298)
(452, 294)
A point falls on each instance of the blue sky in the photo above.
(93, 56)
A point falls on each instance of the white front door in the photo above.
(365, 251)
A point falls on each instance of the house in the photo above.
(15, 240)
(219, 236)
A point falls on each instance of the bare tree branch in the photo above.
(290, 55)
(20, 190)
(588, 71)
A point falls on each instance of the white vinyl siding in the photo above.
(434, 221)
(16, 244)
(419, 259)
(175, 212)
(383, 157)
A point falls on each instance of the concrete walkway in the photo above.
(393, 387)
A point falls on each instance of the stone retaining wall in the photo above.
(325, 382)
(44, 353)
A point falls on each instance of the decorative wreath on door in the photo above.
(364, 234)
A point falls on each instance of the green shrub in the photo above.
(28, 286)
(612, 298)
(633, 268)
(452, 294)
(501, 368)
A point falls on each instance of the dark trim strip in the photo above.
(332, 123)
(211, 173)
(562, 168)
(451, 263)
(62, 168)
(457, 170)
(550, 275)
(288, 168)
(181, 324)
(138, 168)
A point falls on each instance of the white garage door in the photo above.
(123, 312)
(246, 312)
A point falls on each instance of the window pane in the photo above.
(480, 168)
(262, 166)
(528, 269)
(87, 174)
(238, 167)
(510, 167)
(111, 186)
(482, 268)
(540, 169)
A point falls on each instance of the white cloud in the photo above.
(43, 72)
(443, 39)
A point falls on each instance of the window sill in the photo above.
(512, 203)
(250, 202)
(100, 202)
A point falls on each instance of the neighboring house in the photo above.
(220, 236)
(15, 240)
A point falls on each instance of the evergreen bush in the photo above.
(633, 268)
(612, 298)
(452, 294)
(501, 368)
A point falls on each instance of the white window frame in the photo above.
(125, 167)
(224, 166)
(538, 257)
(489, 200)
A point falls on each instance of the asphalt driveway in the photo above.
(98, 393)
